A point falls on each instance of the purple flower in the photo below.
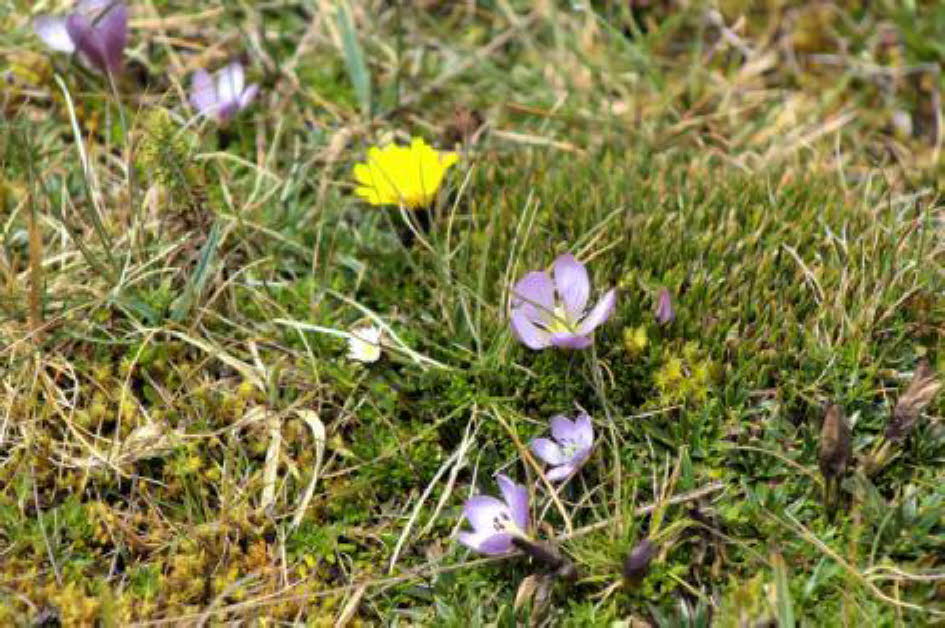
(97, 29)
(571, 447)
(664, 308)
(548, 311)
(496, 522)
(223, 99)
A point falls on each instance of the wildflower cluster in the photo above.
(97, 31)
(547, 308)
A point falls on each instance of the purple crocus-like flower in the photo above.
(224, 98)
(97, 30)
(550, 311)
(664, 308)
(570, 448)
(496, 522)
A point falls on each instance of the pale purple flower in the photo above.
(496, 521)
(225, 97)
(550, 311)
(97, 30)
(569, 448)
(664, 307)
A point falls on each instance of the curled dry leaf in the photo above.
(151, 440)
(534, 593)
(835, 444)
(914, 400)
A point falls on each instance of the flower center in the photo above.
(569, 448)
(503, 522)
(559, 321)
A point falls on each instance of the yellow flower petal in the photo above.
(403, 175)
(362, 174)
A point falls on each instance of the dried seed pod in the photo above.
(638, 562)
(914, 400)
(835, 444)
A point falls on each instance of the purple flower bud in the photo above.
(97, 30)
(552, 311)
(638, 562)
(664, 308)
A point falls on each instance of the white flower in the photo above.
(364, 344)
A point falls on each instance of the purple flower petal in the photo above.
(249, 94)
(486, 542)
(230, 83)
(560, 473)
(483, 510)
(101, 44)
(113, 31)
(584, 431)
(664, 308)
(570, 341)
(85, 40)
(203, 93)
(548, 450)
(516, 496)
(572, 283)
(92, 8)
(535, 295)
(97, 29)
(53, 32)
(600, 313)
(528, 333)
(472, 540)
(564, 429)
(227, 110)
(500, 543)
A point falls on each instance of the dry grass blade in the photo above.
(319, 435)
(351, 607)
(270, 471)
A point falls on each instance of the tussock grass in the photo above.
(182, 440)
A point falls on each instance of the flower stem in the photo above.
(547, 555)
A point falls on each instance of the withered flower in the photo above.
(836, 449)
(835, 444)
(914, 400)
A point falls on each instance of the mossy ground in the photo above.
(775, 165)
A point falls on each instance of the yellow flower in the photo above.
(402, 175)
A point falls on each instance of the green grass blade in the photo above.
(354, 58)
(785, 605)
(195, 285)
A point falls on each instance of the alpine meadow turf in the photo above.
(191, 432)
